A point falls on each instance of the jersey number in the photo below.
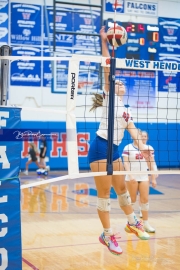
(126, 116)
(139, 156)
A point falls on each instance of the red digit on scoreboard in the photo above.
(129, 28)
(140, 28)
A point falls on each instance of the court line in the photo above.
(95, 213)
(86, 244)
(29, 264)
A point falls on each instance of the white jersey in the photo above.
(122, 118)
(137, 162)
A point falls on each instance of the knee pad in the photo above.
(124, 199)
(103, 204)
(145, 206)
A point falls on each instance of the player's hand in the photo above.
(103, 34)
(154, 183)
(146, 154)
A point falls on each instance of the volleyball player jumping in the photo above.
(98, 158)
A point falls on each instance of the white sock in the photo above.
(108, 232)
(133, 205)
(145, 222)
(132, 219)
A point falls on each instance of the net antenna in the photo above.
(109, 166)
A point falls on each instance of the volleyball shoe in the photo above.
(148, 228)
(138, 230)
(111, 243)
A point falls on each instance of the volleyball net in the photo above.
(151, 95)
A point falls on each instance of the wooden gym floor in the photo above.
(60, 228)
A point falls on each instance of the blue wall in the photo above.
(163, 137)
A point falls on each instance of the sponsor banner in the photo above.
(144, 64)
(169, 31)
(140, 90)
(89, 74)
(47, 70)
(25, 24)
(26, 73)
(80, 20)
(58, 82)
(9, 150)
(110, 6)
(87, 21)
(141, 8)
(64, 22)
(10, 218)
(86, 132)
(169, 81)
(3, 22)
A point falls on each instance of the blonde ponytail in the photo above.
(97, 102)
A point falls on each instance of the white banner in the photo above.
(143, 64)
(141, 8)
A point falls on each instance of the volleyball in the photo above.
(117, 36)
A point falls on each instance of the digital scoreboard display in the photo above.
(143, 41)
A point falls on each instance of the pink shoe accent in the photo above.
(110, 242)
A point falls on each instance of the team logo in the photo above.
(168, 79)
(170, 31)
(119, 5)
(87, 21)
(26, 32)
(26, 16)
(58, 18)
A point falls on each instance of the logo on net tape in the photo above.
(73, 81)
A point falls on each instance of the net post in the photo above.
(5, 50)
(109, 166)
(71, 129)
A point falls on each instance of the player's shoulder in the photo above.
(150, 147)
(126, 150)
(128, 146)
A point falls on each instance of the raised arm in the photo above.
(105, 53)
(136, 136)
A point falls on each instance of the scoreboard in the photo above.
(143, 41)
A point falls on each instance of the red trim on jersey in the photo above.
(126, 153)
